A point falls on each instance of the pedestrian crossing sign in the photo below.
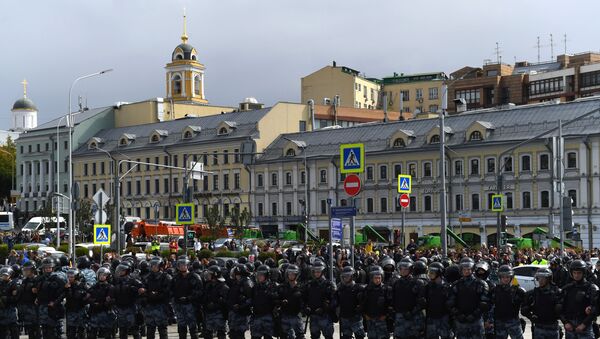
(185, 214)
(404, 183)
(352, 158)
(497, 203)
(101, 234)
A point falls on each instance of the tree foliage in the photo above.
(8, 153)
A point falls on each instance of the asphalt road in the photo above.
(173, 332)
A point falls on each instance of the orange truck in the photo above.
(168, 229)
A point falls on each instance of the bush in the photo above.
(262, 256)
(205, 254)
(63, 248)
(19, 247)
(81, 251)
(3, 252)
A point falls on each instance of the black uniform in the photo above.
(214, 301)
(75, 303)
(348, 300)
(542, 306)
(102, 316)
(125, 292)
(576, 297)
(9, 296)
(319, 305)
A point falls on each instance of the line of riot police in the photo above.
(409, 299)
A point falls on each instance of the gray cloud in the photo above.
(260, 48)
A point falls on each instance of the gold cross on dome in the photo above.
(24, 82)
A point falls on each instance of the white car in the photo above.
(525, 275)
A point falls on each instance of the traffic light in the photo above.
(567, 214)
(503, 222)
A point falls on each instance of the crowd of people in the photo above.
(383, 292)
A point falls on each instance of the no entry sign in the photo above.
(404, 200)
(352, 185)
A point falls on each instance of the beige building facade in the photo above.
(343, 84)
(281, 182)
(418, 94)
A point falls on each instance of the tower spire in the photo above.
(184, 36)
(24, 82)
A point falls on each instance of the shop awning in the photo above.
(369, 228)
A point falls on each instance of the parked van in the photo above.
(40, 224)
(7, 222)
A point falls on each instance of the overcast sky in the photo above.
(262, 48)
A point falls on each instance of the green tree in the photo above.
(213, 219)
(83, 216)
(8, 154)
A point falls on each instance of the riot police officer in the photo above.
(319, 297)
(560, 275)
(50, 295)
(437, 294)
(102, 317)
(389, 270)
(157, 294)
(375, 303)
(125, 292)
(542, 306)
(28, 310)
(214, 301)
(264, 298)
(580, 303)
(348, 299)
(84, 265)
(9, 295)
(290, 294)
(187, 291)
(507, 300)
(468, 301)
(239, 301)
(482, 272)
(408, 300)
(75, 304)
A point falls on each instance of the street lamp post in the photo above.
(443, 230)
(71, 124)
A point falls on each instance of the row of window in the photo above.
(405, 94)
(546, 86)
(427, 169)
(38, 147)
(177, 84)
(165, 211)
(589, 79)
(219, 182)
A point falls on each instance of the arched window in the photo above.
(399, 143)
(197, 85)
(193, 57)
(435, 139)
(176, 84)
(290, 153)
(155, 138)
(223, 131)
(475, 136)
(123, 142)
(187, 135)
(179, 57)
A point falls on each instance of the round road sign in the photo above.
(404, 200)
(352, 185)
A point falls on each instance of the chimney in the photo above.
(334, 64)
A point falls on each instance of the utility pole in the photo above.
(443, 230)
(561, 191)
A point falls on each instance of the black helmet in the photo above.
(113, 264)
(405, 263)
(263, 270)
(240, 269)
(16, 270)
(74, 272)
(292, 269)
(242, 260)
(83, 262)
(7, 272)
(155, 261)
(317, 266)
(270, 262)
(467, 263)
(183, 261)
(577, 265)
(196, 265)
(437, 268)
(375, 270)
(452, 273)
(556, 261)
(482, 269)
(214, 272)
(122, 268)
(144, 266)
(544, 272)
(257, 264)
(249, 267)
(103, 272)
(505, 271)
(63, 261)
(358, 264)
(48, 262)
(419, 267)
(388, 264)
(347, 272)
(446, 262)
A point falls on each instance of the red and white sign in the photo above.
(404, 200)
(352, 185)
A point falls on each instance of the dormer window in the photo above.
(188, 135)
(290, 152)
(123, 142)
(223, 131)
(95, 142)
(475, 136)
(435, 139)
(190, 131)
(93, 145)
(399, 143)
(158, 135)
(126, 139)
(155, 139)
